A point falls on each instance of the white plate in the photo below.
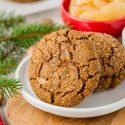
(28, 8)
(94, 105)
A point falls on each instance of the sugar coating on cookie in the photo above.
(64, 68)
(110, 51)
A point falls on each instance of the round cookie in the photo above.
(60, 72)
(110, 51)
(111, 81)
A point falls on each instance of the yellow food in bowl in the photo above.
(98, 10)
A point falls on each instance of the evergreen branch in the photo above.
(9, 57)
(8, 65)
(10, 87)
(3, 30)
(29, 34)
(10, 19)
(6, 48)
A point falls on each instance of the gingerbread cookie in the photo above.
(112, 58)
(110, 51)
(64, 68)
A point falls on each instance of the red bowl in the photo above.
(113, 27)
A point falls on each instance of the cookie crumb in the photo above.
(41, 80)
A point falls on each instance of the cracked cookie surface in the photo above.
(110, 51)
(112, 58)
(64, 68)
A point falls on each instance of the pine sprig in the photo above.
(8, 65)
(6, 48)
(9, 57)
(10, 87)
(26, 35)
(10, 19)
(29, 34)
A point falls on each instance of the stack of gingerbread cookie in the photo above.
(66, 66)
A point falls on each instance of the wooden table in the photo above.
(20, 112)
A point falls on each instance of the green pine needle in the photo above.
(9, 57)
(10, 19)
(6, 49)
(10, 87)
(8, 65)
(28, 34)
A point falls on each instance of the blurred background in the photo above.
(34, 10)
